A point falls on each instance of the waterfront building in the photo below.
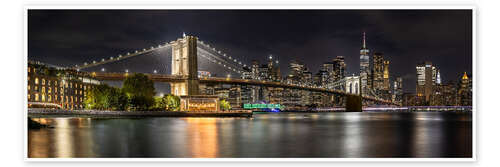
(274, 70)
(426, 80)
(264, 73)
(465, 91)
(364, 66)
(444, 95)
(247, 94)
(307, 78)
(56, 87)
(397, 93)
(378, 71)
(297, 71)
(339, 68)
(246, 73)
(386, 83)
(255, 70)
(328, 69)
(410, 99)
(199, 103)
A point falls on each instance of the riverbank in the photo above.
(39, 112)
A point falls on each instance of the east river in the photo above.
(266, 135)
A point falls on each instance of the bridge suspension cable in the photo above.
(217, 60)
(121, 57)
(220, 54)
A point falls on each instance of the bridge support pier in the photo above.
(353, 103)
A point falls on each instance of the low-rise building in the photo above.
(55, 87)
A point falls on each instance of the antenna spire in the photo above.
(364, 40)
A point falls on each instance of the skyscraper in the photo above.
(274, 70)
(255, 70)
(339, 68)
(386, 85)
(364, 65)
(426, 80)
(465, 91)
(397, 95)
(378, 71)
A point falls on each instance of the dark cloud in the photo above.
(406, 37)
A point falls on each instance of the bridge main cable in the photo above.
(221, 55)
(121, 57)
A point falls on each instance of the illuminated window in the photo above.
(80, 92)
(50, 90)
(76, 92)
(29, 69)
(49, 98)
(55, 83)
(29, 87)
(43, 89)
(55, 90)
(36, 97)
(48, 82)
(36, 87)
(55, 97)
(29, 97)
(72, 99)
(70, 85)
(43, 81)
(43, 97)
(36, 80)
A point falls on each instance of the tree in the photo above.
(104, 97)
(224, 105)
(172, 102)
(118, 99)
(140, 90)
(167, 102)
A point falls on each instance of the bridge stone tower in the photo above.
(185, 64)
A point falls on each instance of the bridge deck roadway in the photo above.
(215, 80)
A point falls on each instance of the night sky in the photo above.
(406, 37)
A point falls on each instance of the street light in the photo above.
(155, 71)
(103, 69)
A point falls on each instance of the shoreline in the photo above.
(35, 113)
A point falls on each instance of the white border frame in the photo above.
(250, 7)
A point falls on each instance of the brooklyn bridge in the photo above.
(188, 53)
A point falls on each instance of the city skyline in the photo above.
(53, 35)
(310, 83)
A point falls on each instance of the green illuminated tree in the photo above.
(172, 102)
(140, 90)
(104, 97)
(224, 105)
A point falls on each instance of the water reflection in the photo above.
(264, 135)
(202, 138)
(69, 137)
